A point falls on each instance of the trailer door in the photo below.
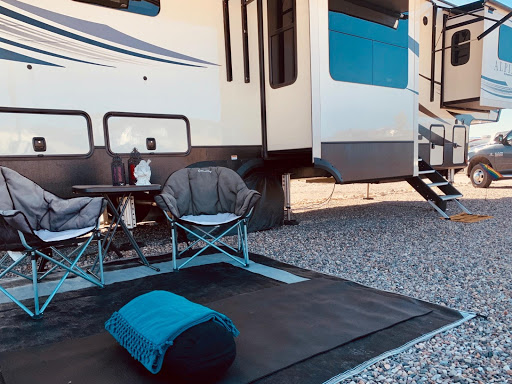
(284, 72)
(459, 145)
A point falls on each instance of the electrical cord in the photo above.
(325, 202)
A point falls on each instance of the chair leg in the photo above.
(37, 314)
(66, 263)
(240, 237)
(42, 263)
(245, 245)
(100, 258)
(174, 234)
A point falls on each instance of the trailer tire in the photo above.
(479, 177)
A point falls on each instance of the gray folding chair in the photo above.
(34, 224)
(208, 204)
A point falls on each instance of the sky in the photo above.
(505, 122)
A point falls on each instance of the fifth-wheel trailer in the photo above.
(358, 90)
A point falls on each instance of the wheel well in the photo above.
(477, 160)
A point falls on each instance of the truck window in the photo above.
(509, 138)
(367, 52)
(505, 44)
(142, 7)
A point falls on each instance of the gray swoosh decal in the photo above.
(103, 31)
(23, 32)
(37, 50)
(51, 28)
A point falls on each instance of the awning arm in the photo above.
(497, 25)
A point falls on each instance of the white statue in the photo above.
(142, 173)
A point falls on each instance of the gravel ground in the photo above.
(397, 242)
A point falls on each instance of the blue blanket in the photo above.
(150, 323)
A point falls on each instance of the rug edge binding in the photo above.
(466, 316)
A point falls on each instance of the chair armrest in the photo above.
(12, 223)
(167, 202)
(245, 200)
(16, 220)
(75, 213)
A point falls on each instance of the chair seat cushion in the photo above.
(48, 236)
(218, 219)
(149, 324)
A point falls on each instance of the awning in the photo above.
(386, 12)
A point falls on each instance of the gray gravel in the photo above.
(397, 243)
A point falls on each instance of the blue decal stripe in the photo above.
(5, 54)
(50, 28)
(414, 46)
(47, 53)
(494, 81)
(497, 95)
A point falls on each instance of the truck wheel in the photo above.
(480, 178)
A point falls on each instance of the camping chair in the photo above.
(34, 224)
(208, 204)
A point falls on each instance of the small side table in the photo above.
(124, 192)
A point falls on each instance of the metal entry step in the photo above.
(436, 180)
(431, 185)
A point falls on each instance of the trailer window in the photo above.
(367, 52)
(505, 44)
(25, 132)
(142, 7)
(156, 134)
(282, 42)
(461, 47)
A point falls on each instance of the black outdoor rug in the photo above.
(298, 333)
(287, 324)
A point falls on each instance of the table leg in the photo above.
(119, 221)
(114, 224)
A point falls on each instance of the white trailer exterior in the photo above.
(452, 76)
(356, 89)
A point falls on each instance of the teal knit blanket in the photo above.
(150, 323)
